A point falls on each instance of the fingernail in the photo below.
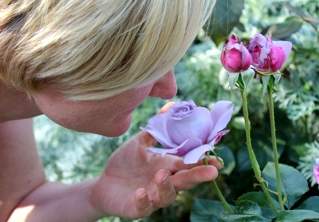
(164, 179)
(221, 161)
(141, 194)
(167, 106)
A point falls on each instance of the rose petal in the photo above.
(196, 154)
(160, 151)
(233, 39)
(232, 60)
(188, 145)
(157, 127)
(198, 125)
(259, 48)
(221, 114)
(246, 58)
(181, 150)
(278, 58)
(235, 57)
(261, 43)
(219, 136)
(285, 45)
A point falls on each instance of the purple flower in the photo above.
(316, 171)
(268, 56)
(235, 56)
(189, 131)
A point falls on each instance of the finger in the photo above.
(187, 179)
(164, 193)
(166, 107)
(145, 139)
(175, 163)
(216, 161)
(144, 206)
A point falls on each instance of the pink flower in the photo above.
(268, 56)
(316, 171)
(189, 131)
(235, 56)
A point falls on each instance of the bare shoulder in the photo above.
(14, 129)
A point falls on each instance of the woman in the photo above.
(87, 64)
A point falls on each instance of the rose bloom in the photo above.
(235, 56)
(268, 56)
(189, 131)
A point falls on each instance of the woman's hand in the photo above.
(136, 182)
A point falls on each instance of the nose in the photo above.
(165, 87)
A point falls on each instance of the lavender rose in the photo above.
(189, 131)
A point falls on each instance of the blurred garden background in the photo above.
(72, 157)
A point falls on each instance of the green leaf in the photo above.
(225, 17)
(260, 199)
(277, 77)
(248, 207)
(285, 29)
(262, 151)
(232, 79)
(206, 211)
(243, 162)
(248, 76)
(299, 11)
(228, 157)
(248, 218)
(294, 183)
(246, 211)
(265, 81)
(211, 211)
(311, 203)
(297, 215)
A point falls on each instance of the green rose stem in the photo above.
(274, 142)
(252, 156)
(220, 195)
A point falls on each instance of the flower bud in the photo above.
(189, 131)
(235, 56)
(268, 56)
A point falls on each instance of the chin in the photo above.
(119, 127)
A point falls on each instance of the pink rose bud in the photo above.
(268, 56)
(235, 56)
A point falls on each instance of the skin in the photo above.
(134, 182)
(114, 111)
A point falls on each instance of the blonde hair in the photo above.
(93, 49)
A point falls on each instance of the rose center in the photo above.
(182, 111)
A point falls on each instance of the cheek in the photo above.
(134, 98)
(111, 117)
(75, 116)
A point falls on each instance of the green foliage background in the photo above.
(72, 157)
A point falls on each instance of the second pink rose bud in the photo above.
(268, 56)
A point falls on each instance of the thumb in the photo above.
(145, 139)
(166, 107)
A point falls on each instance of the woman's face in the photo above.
(108, 117)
